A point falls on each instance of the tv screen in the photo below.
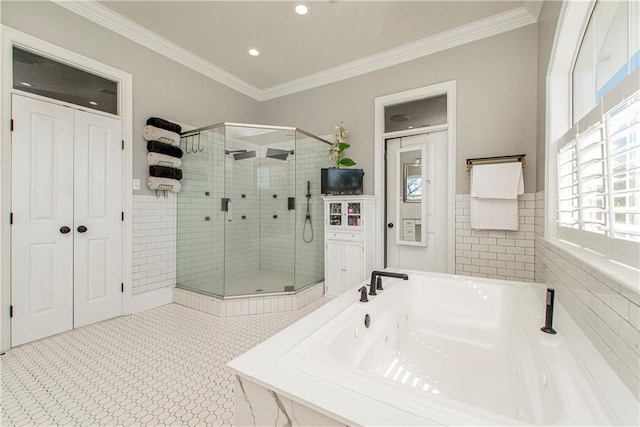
(341, 181)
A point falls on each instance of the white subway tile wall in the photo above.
(507, 255)
(604, 309)
(154, 243)
(248, 305)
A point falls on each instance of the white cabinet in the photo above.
(349, 241)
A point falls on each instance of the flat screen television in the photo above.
(341, 181)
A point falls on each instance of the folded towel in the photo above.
(497, 181)
(152, 133)
(494, 214)
(164, 124)
(165, 172)
(155, 183)
(162, 148)
(163, 160)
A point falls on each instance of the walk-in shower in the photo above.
(250, 217)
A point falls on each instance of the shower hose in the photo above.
(307, 217)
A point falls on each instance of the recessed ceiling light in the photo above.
(93, 103)
(25, 84)
(254, 52)
(302, 8)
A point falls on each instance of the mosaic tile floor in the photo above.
(164, 366)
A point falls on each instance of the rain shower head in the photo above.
(244, 155)
(240, 154)
(274, 153)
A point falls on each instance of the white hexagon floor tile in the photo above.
(165, 366)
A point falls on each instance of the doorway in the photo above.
(445, 137)
(66, 234)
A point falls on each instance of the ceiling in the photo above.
(292, 47)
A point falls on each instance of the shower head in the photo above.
(274, 153)
(244, 155)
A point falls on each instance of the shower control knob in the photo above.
(390, 225)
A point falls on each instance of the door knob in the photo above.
(390, 225)
(65, 229)
(81, 229)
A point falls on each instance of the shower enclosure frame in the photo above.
(300, 216)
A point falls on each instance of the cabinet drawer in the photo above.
(344, 235)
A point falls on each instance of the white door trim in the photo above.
(448, 88)
(11, 37)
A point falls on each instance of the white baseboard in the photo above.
(147, 300)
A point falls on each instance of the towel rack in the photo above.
(164, 188)
(497, 159)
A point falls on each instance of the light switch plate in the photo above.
(136, 184)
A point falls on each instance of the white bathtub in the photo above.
(441, 349)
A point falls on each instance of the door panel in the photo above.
(333, 272)
(98, 207)
(353, 264)
(42, 203)
(433, 257)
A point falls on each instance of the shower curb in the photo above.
(251, 304)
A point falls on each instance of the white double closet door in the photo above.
(66, 241)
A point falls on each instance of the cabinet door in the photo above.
(334, 214)
(353, 265)
(354, 214)
(334, 270)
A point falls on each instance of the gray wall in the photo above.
(161, 87)
(546, 33)
(496, 102)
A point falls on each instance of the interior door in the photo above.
(97, 218)
(42, 208)
(401, 249)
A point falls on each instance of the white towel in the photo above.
(152, 133)
(494, 214)
(497, 181)
(163, 160)
(154, 183)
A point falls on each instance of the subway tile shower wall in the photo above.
(507, 255)
(200, 242)
(605, 310)
(154, 243)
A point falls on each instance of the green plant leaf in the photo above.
(347, 162)
(343, 146)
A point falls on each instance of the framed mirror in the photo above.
(412, 179)
(412, 199)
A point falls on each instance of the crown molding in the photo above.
(497, 24)
(534, 7)
(478, 30)
(102, 15)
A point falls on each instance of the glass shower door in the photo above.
(259, 222)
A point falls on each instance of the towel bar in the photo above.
(164, 188)
(497, 159)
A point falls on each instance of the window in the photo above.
(43, 76)
(610, 51)
(598, 158)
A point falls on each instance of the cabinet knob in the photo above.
(65, 229)
(390, 225)
(82, 229)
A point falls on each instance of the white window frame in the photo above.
(572, 22)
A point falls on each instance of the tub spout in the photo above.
(548, 315)
(374, 274)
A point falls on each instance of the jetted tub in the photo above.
(441, 349)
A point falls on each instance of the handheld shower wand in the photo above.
(307, 217)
